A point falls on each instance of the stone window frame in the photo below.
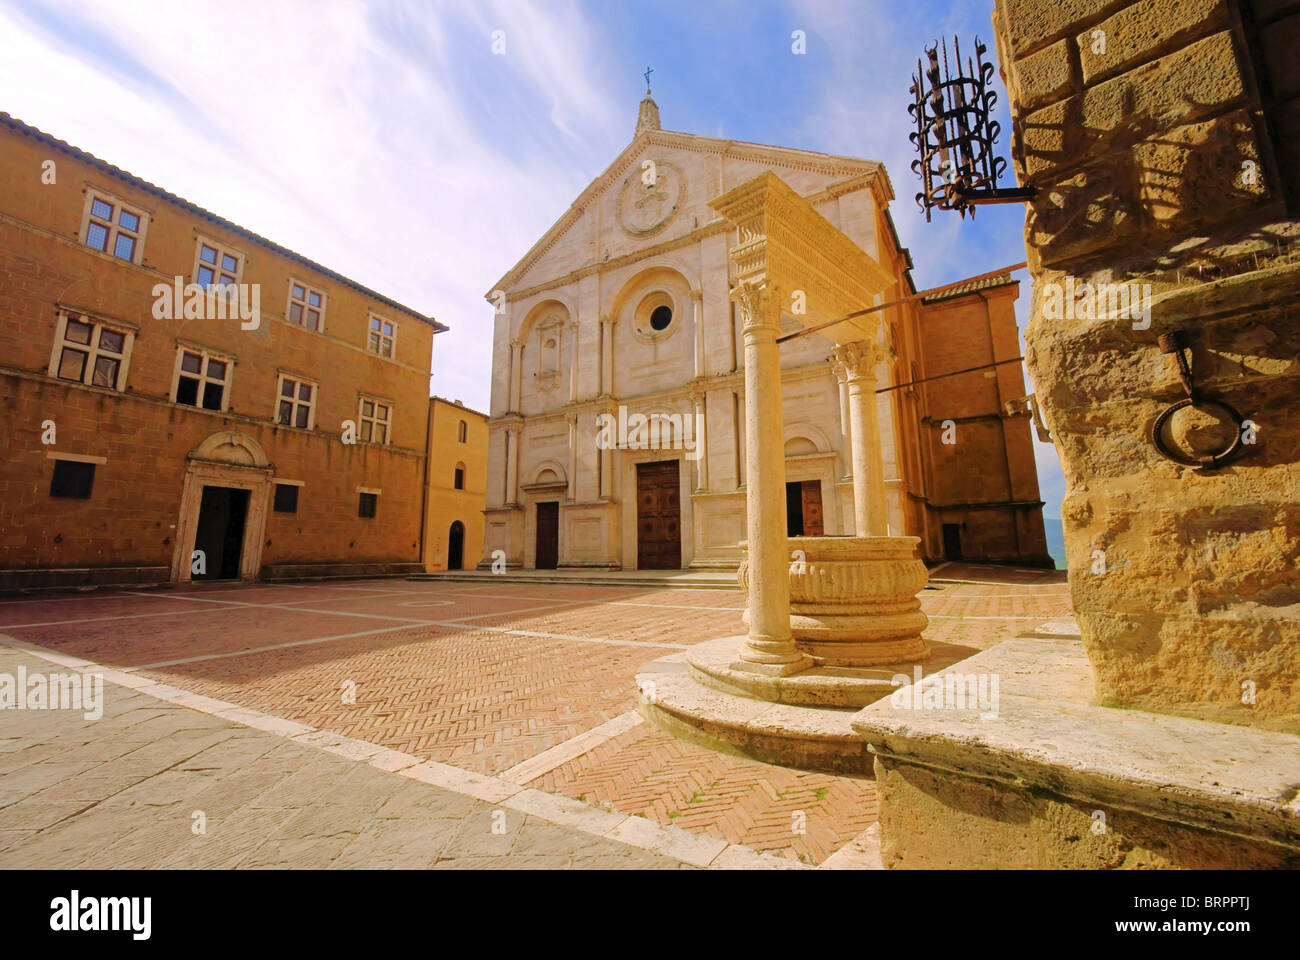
(458, 473)
(222, 275)
(113, 225)
(204, 379)
(649, 302)
(93, 462)
(462, 432)
(305, 306)
(374, 494)
(91, 350)
(548, 373)
(367, 424)
(281, 482)
(283, 377)
(376, 339)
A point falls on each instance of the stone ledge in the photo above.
(1048, 736)
(281, 572)
(66, 578)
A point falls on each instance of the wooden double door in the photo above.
(659, 515)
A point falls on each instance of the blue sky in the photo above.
(387, 140)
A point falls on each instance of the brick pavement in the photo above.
(486, 676)
(126, 791)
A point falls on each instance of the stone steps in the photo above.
(692, 580)
(793, 735)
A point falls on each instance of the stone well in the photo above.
(854, 600)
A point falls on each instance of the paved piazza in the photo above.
(415, 724)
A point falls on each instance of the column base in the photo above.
(774, 669)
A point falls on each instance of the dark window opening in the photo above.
(72, 479)
(366, 505)
(286, 498)
(661, 317)
(187, 392)
(460, 479)
(212, 396)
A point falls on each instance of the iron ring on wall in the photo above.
(1211, 461)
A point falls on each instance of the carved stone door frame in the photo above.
(229, 459)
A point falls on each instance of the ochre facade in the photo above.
(623, 310)
(153, 457)
(458, 441)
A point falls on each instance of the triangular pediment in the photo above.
(616, 215)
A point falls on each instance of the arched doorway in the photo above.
(221, 528)
(456, 546)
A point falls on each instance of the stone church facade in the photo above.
(617, 414)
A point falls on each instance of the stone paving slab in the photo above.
(267, 803)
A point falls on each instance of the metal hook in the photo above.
(1176, 343)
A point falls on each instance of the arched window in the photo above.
(459, 480)
(462, 432)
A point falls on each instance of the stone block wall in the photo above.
(1162, 137)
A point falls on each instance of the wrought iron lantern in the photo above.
(955, 135)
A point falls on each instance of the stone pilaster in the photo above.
(516, 373)
(607, 356)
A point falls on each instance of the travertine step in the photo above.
(807, 737)
(691, 580)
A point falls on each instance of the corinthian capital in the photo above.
(858, 359)
(755, 302)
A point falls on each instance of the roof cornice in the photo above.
(141, 184)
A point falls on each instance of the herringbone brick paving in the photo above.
(465, 674)
(650, 773)
(483, 701)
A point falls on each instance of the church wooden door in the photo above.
(548, 535)
(811, 497)
(658, 516)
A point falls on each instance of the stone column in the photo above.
(512, 464)
(701, 450)
(697, 302)
(769, 647)
(516, 373)
(607, 356)
(869, 511)
(572, 493)
(846, 430)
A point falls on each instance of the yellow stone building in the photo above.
(456, 487)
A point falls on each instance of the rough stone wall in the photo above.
(1162, 138)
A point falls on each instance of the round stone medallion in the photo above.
(651, 198)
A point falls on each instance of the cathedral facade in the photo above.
(616, 436)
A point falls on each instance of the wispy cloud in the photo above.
(384, 140)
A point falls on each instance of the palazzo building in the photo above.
(617, 415)
(152, 441)
(453, 511)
